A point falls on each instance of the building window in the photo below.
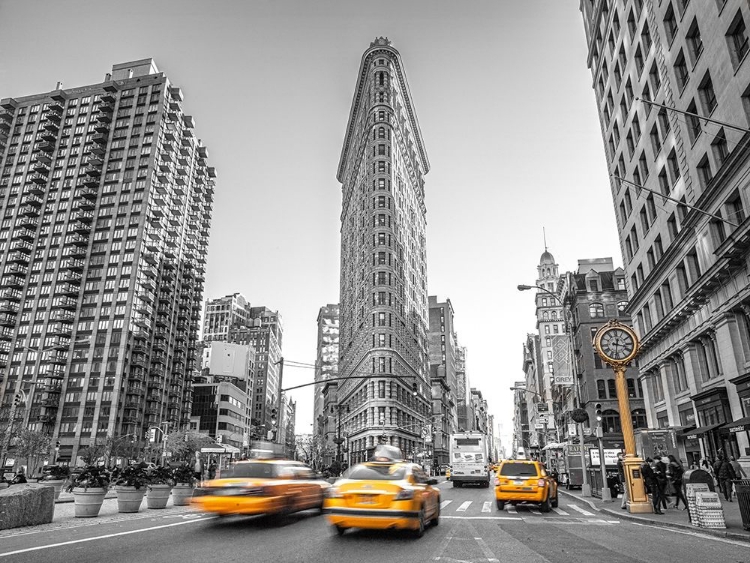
(596, 310)
(670, 24)
(639, 417)
(674, 168)
(737, 39)
(612, 388)
(654, 79)
(693, 122)
(655, 140)
(681, 71)
(707, 94)
(601, 392)
(704, 172)
(695, 44)
(720, 148)
(611, 422)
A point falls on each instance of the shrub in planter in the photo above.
(55, 476)
(130, 485)
(159, 487)
(89, 487)
(184, 478)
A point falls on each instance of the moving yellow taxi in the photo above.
(261, 486)
(523, 480)
(385, 493)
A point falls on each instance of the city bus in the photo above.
(469, 459)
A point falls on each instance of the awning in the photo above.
(702, 430)
(681, 433)
(741, 425)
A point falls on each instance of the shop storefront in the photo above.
(713, 415)
(690, 447)
(741, 428)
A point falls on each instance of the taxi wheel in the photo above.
(501, 505)
(340, 530)
(436, 519)
(555, 501)
(419, 532)
(545, 506)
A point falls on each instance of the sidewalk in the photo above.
(671, 518)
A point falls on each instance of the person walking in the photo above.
(198, 468)
(649, 477)
(660, 473)
(675, 470)
(724, 475)
(621, 473)
(739, 472)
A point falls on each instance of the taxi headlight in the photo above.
(333, 492)
(404, 494)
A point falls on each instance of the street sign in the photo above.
(610, 457)
(538, 426)
(542, 407)
(572, 430)
(542, 419)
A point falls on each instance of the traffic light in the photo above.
(152, 435)
(599, 412)
(414, 389)
(18, 399)
(274, 415)
(57, 445)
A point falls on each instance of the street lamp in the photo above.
(585, 486)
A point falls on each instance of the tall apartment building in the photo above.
(383, 260)
(686, 264)
(326, 366)
(521, 433)
(462, 390)
(223, 314)
(533, 369)
(442, 344)
(107, 198)
(264, 334)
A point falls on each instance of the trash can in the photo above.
(742, 488)
(698, 476)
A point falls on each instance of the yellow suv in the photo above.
(523, 480)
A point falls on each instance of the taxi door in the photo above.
(426, 491)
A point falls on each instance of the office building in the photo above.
(223, 314)
(685, 257)
(383, 290)
(107, 198)
(326, 367)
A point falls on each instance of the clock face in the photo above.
(617, 344)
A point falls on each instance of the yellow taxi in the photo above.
(261, 485)
(384, 493)
(524, 480)
(448, 474)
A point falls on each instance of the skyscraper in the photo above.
(224, 313)
(671, 83)
(326, 365)
(106, 197)
(383, 261)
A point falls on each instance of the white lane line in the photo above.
(482, 517)
(694, 534)
(106, 536)
(581, 510)
(535, 511)
(561, 512)
(445, 503)
(512, 509)
(464, 506)
(486, 507)
(487, 551)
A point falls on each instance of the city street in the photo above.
(471, 529)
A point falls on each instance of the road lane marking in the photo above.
(464, 506)
(483, 517)
(535, 511)
(486, 506)
(445, 503)
(581, 510)
(694, 534)
(488, 553)
(512, 509)
(106, 536)
(561, 512)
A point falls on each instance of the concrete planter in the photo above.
(129, 499)
(158, 495)
(56, 483)
(88, 502)
(181, 494)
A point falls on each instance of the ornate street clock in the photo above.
(616, 343)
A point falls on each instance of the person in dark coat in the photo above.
(724, 475)
(674, 473)
(649, 477)
(621, 474)
(660, 471)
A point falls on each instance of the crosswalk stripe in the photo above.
(486, 506)
(464, 506)
(561, 512)
(581, 510)
(535, 511)
(445, 503)
(512, 509)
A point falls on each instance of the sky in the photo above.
(506, 109)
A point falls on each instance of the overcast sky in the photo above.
(503, 97)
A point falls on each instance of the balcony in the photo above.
(59, 329)
(9, 306)
(101, 126)
(13, 281)
(17, 269)
(68, 289)
(6, 333)
(37, 178)
(58, 357)
(138, 360)
(92, 171)
(32, 199)
(66, 303)
(41, 167)
(7, 319)
(80, 227)
(9, 293)
(77, 239)
(19, 258)
(87, 193)
(72, 264)
(81, 215)
(91, 180)
(70, 276)
(50, 137)
(29, 211)
(24, 234)
(51, 126)
(63, 316)
(136, 391)
(100, 138)
(53, 115)
(27, 222)
(158, 359)
(54, 388)
(47, 146)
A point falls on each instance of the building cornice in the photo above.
(380, 46)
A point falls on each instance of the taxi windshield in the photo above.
(377, 472)
(519, 469)
(253, 470)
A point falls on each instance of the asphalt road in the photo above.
(471, 530)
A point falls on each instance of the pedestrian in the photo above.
(621, 474)
(212, 470)
(724, 474)
(198, 469)
(649, 477)
(660, 473)
(675, 470)
(19, 478)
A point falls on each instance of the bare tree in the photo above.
(182, 444)
(33, 446)
(94, 451)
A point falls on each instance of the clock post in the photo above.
(617, 345)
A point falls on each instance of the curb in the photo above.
(665, 524)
